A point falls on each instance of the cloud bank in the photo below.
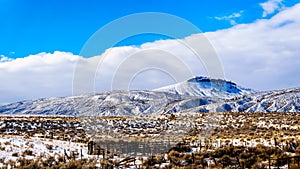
(35, 76)
(263, 55)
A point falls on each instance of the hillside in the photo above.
(199, 94)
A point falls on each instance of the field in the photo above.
(179, 140)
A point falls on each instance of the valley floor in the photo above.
(180, 140)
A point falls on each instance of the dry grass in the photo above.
(237, 139)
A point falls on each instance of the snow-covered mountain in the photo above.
(203, 86)
(287, 100)
(199, 94)
(110, 103)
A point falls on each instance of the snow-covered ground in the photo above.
(16, 147)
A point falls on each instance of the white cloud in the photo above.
(4, 58)
(271, 6)
(263, 55)
(51, 74)
(120, 64)
(41, 75)
(231, 18)
(232, 22)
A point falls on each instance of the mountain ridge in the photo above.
(199, 94)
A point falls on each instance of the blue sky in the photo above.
(34, 26)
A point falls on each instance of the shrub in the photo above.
(15, 154)
(49, 146)
(7, 143)
(27, 152)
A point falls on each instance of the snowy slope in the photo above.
(110, 104)
(203, 86)
(287, 100)
(115, 103)
(199, 94)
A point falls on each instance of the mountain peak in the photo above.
(201, 79)
(204, 86)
